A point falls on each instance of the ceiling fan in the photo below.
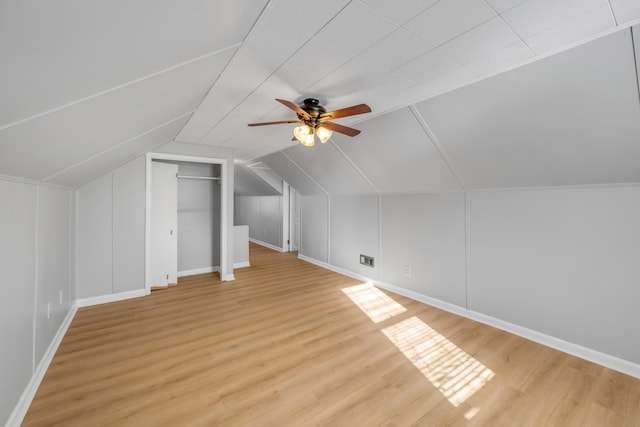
(314, 120)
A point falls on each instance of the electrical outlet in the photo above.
(48, 310)
(60, 296)
(407, 271)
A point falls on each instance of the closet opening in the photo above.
(186, 223)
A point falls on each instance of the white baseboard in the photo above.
(266, 245)
(606, 360)
(228, 278)
(241, 264)
(198, 271)
(103, 299)
(21, 408)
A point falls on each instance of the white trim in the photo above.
(35, 281)
(603, 359)
(305, 173)
(241, 264)
(103, 299)
(286, 217)
(353, 165)
(228, 278)
(203, 270)
(118, 87)
(19, 179)
(21, 408)
(265, 244)
(113, 147)
(467, 249)
(436, 144)
(329, 228)
(224, 275)
(556, 187)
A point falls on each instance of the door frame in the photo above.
(285, 217)
(292, 207)
(224, 191)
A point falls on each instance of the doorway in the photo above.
(222, 232)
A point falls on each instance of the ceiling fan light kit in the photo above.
(314, 120)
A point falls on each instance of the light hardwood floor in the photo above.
(292, 344)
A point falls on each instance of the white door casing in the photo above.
(226, 272)
(294, 219)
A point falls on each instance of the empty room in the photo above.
(344, 213)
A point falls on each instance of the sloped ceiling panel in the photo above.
(569, 119)
(293, 175)
(48, 144)
(260, 140)
(246, 183)
(625, 10)
(396, 155)
(265, 173)
(54, 53)
(635, 31)
(330, 169)
(549, 25)
(103, 162)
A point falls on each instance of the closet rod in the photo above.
(215, 178)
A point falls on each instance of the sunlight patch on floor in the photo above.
(452, 371)
(373, 302)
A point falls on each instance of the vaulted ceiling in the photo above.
(465, 93)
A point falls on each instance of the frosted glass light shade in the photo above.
(304, 134)
(323, 134)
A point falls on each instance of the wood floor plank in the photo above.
(285, 345)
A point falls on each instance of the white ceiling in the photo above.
(570, 119)
(87, 85)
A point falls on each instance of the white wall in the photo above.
(562, 262)
(110, 236)
(198, 218)
(34, 258)
(354, 231)
(94, 274)
(241, 245)
(565, 262)
(110, 232)
(314, 227)
(425, 232)
(263, 215)
(53, 264)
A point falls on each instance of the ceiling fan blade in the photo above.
(344, 112)
(340, 128)
(299, 111)
(274, 123)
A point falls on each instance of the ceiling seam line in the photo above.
(511, 67)
(115, 88)
(261, 83)
(117, 165)
(233, 57)
(510, 27)
(436, 144)
(355, 167)
(259, 178)
(119, 145)
(613, 15)
(635, 61)
(305, 172)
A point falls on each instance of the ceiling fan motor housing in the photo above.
(313, 107)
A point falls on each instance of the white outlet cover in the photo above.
(407, 271)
